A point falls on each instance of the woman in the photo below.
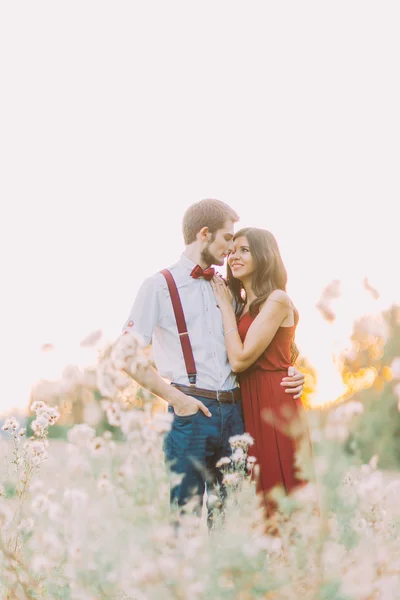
(260, 345)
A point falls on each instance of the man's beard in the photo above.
(209, 259)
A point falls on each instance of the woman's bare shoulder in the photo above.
(281, 297)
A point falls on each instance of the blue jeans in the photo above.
(195, 444)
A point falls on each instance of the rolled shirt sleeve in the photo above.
(145, 310)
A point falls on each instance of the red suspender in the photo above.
(182, 328)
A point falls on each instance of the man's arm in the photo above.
(184, 405)
(142, 320)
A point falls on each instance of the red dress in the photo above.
(269, 412)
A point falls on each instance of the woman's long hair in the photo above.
(269, 274)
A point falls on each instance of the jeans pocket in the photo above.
(185, 418)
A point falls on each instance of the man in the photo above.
(204, 396)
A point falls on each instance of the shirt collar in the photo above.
(186, 262)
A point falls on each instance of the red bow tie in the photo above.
(198, 272)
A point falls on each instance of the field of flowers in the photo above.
(89, 518)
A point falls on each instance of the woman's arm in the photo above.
(261, 332)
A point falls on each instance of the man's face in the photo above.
(215, 252)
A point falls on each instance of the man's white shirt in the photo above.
(152, 317)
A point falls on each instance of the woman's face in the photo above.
(240, 259)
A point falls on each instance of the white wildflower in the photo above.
(336, 432)
(339, 418)
(251, 464)
(41, 565)
(113, 413)
(350, 353)
(105, 379)
(40, 424)
(346, 411)
(316, 436)
(10, 424)
(371, 327)
(40, 504)
(212, 501)
(241, 441)
(36, 485)
(373, 463)
(112, 577)
(125, 472)
(371, 483)
(26, 526)
(238, 456)
(387, 587)
(132, 420)
(167, 565)
(72, 376)
(196, 589)
(55, 512)
(97, 446)
(105, 404)
(38, 405)
(231, 479)
(360, 525)
(75, 551)
(162, 422)
(306, 494)
(53, 414)
(37, 460)
(162, 534)
(77, 463)
(81, 434)
(143, 572)
(92, 414)
(357, 581)
(393, 487)
(332, 555)
(273, 545)
(50, 544)
(104, 484)
(127, 347)
(266, 543)
(36, 450)
(76, 497)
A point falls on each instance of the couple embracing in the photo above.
(228, 350)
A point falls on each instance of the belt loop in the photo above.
(217, 395)
(233, 397)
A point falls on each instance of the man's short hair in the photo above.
(206, 213)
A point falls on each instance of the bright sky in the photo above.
(118, 115)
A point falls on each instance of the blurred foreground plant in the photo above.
(92, 519)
